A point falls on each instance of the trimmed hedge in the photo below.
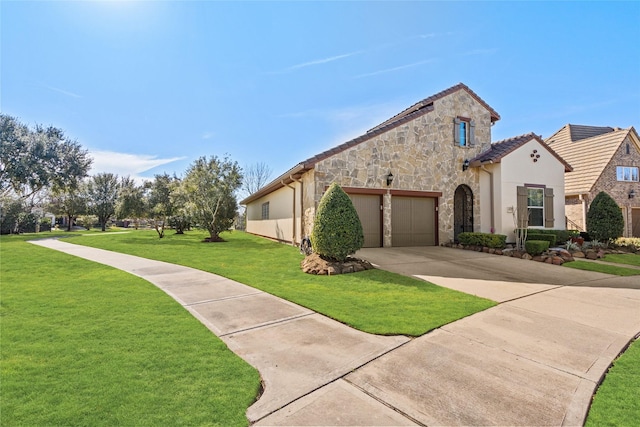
(497, 241)
(551, 238)
(561, 235)
(536, 247)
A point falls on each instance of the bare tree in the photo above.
(255, 177)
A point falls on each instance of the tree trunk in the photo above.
(69, 224)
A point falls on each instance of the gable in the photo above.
(588, 156)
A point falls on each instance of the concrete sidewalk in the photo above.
(533, 360)
(296, 351)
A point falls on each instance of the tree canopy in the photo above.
(38, 158)
(102, 192)
(209, 187)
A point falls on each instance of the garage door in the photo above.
(413, 221)
(368, 208)
(635, 222)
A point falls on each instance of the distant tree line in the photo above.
(42, 171)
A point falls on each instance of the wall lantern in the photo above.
(632, 193)
(465, 165)
(389, 179)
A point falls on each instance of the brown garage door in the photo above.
(635, 222)
(413, 221)
(368, 208)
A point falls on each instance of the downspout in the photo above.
(293, 239)
(583, 201)
(301, 205)
(491, 197)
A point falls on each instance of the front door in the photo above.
(462, 210)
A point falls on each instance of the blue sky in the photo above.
(149, 86)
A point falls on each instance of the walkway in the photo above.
(534, 359)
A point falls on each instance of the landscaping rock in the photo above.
(315, 264)
(526, 256)
(578, 254)
(591, 254)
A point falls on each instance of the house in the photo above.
(422, 177)
(604, 159)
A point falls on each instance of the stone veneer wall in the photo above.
(422, 156)
(620, 190)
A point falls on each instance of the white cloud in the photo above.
(389, 70)
(64, 92)
(207, 135)
(317, 62)
(124, 164)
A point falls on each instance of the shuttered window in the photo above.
(464, 132)
(535, 207)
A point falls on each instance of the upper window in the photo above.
(627, 173)
(265, 210)
(463, 131)
(535, 206)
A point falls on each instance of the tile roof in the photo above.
(500, 149)
(423, 107)
(588, 155)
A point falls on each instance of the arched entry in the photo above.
(462, 210)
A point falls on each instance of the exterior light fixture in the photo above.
(389, 179)
(632, 193)
(465, 164)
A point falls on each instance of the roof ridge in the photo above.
(426, 102)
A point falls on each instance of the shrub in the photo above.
(536, 247)
(551, 238)
(337, 231)
(604, 219)
(561, 235)
(497, 241)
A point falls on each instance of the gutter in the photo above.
(293, 219)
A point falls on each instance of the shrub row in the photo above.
(496, 241)
(561, 236)
(551, 238)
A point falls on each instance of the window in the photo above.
(265, 210)
(627, 173)
(535, 206)
(464, 131)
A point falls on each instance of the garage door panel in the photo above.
(413, 221)
(368, 208)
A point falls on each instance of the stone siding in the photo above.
(422, 156)
(619, 190)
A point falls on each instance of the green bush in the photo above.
(561, 235)
(497, 241)
(536, 247)
(547, 237)
(604, 219)
(337, 231)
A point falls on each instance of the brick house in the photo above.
(421, 177)
(604, 159)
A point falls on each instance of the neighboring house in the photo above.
(604, 159)
(421, 177)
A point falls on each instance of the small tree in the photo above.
(210, 186)
(337, 230)
(604, 219)
(102, 192)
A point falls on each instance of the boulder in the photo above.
(315, 264)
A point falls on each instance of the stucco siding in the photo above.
(280, 224)
(518, 169)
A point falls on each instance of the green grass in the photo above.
(617, 401)
(602, 268)
(86, 344)
(629, 259)
(374, 301)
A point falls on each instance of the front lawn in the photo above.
(617, 401)
(374, 301)
(602, 268)
(86, 344)
(629, 259)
